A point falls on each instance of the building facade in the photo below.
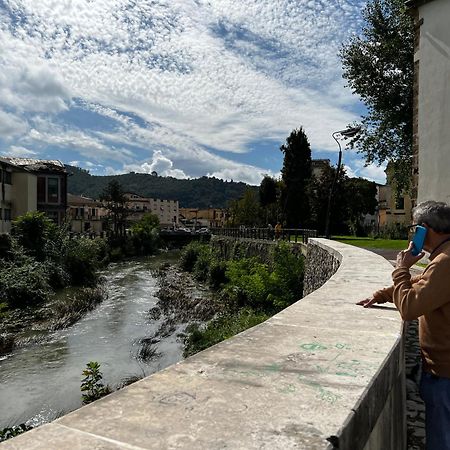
(431, 99)
(208, 217)
(32, 185)
(167, 211)
(86, 215)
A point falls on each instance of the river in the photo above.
(42, 382)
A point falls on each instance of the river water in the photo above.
(41, 382)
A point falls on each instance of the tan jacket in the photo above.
(427, 297)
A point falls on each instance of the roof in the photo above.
(35, 165)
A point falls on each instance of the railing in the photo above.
(287, 234)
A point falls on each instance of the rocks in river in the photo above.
(6, 343)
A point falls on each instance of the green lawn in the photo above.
(388, 244)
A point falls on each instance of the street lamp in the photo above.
(342, 134)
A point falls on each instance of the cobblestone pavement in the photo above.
(415, 409)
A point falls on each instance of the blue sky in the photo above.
(184, 87)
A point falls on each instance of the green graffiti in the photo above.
(313, 346)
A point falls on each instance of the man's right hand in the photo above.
(368, 302)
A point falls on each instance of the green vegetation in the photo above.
(197, 193)
(249, 290)
(11, 432)
(388, 244)
(92, 385)
(379, 66)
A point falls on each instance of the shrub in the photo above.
(221, 328)
(33, 231)
(84, 258)
(203, 262)
(145, 234)
(25, 283)
(217, 274)
(189, 255)
(92, 384)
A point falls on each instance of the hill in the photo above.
(195, 193)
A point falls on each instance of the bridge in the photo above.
(321, 374)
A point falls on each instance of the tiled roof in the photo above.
(34, 165)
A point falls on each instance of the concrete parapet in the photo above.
(322, 374)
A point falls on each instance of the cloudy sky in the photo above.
(183, 87)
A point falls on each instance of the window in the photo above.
(400, 203)
(1, 217)
(7, 177)
(52, 190)
(7, 215)
(41, 189)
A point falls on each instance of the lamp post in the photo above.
(348, 133)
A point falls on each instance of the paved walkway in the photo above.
(415, 408)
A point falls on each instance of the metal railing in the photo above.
(287, 234)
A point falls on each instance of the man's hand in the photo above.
(368, 302)
(405, 258)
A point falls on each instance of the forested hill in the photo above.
(196, 193)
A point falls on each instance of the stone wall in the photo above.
(321, 263)
(323, 374)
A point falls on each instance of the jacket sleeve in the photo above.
(386, 294)
(427, 294)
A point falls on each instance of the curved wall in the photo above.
(322, 374)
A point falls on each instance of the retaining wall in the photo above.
(322, 374)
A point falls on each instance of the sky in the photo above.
(185, 88)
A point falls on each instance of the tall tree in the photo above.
(379, 67)
(269, 194)
(115, 201)
(296, 175)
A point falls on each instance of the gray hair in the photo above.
(435, 214)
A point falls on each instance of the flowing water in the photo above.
(41, 382)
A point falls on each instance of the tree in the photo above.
(246, 211)
(116, 203)
(269, 193)
(296, 175)
(379, 67)
(145, 234)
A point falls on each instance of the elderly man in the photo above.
(427, 297)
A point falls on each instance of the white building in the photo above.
(432, 99)
(167, 211)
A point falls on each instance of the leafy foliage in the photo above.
(92, 385)
(33, 231)
(379, 67)
(145, 234)
(113, 197)
(11, 432)
(296, 173)
(221, 328)
(246, 210)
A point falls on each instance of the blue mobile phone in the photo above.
(418, 240)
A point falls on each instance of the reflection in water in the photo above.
(42, 382)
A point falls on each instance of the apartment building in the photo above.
(31, 185)
(208, 217)
(86, 214)
(167, 211)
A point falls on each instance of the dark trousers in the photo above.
(435, 392)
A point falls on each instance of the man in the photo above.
(427, 297)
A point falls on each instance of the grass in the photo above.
(387, 244)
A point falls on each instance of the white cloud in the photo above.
(372, 172)
(216, 74)
(17, 151)
(11, 125)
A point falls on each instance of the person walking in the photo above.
(427, 297)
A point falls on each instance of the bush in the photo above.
(84, 257)
(33, 231)
(217, 274)
(391, 231)
(24, 284)
(145, 234)
(204, 259)
(220, 329)
(189, 256)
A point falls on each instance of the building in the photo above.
(431, 140)
(208, 217)
(318, 166)
(31, 185)
(86, 215)
(167, 211)
(393, 208)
